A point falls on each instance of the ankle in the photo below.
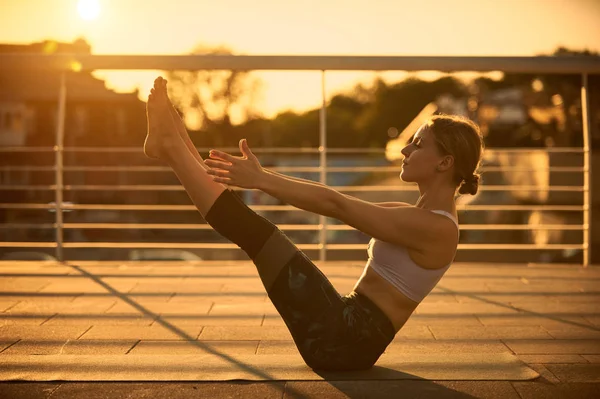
(171, 148)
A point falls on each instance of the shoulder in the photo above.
(409, 226)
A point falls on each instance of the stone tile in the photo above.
(107, 300)
(158, 287)
(66, 307)
(446, 320)
(7, 304)
(576, 372)
(574, 333)
(553, 288)
(439, 297)
(5, 343)
(498, 298)
(273, 320)
(258, 308)
(414, 332)
(35, 347)
(477, 389)
(21, 320)
(392, 388)
(41, 332)
(100, 320)
(318, 389)
(574, 347)
(33, 297)
(23, 284)
(497, 332)
(537, 390)
(210, 320)
(85, 287)
(165, 308)
(557, 322)
(267, 347)
(458, 346)
(250, 333)
(194, 347)
(28, 390)
(545, 374)
(592, 358)
(254, 288)
(579, 297)
(143, 279)
(545, 359)
(171, 390)
(98, 347)
(155, 332)
(220, 297)
(556, 308)
(463, 309)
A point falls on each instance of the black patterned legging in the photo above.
(331, 332)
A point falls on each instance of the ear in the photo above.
(446, 163)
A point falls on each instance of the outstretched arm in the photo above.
(247, 172)
(396, 223)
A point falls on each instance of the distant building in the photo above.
(95, 115)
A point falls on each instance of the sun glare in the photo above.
(88, 9)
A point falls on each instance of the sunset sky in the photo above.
(316, 27)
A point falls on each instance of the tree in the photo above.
(213, 101)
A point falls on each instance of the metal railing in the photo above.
(70, 62)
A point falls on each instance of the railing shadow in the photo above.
(529, 312)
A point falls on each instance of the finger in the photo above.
(223, 180)
(217, 164)
(223, 155)
(214, 156)
(246, 149)
(218, 172)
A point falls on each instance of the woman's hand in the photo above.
(244, 171)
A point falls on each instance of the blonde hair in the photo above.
(460, 137)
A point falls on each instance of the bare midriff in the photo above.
(397, 306)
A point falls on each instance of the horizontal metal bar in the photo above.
(477, 246)
(287, 227)
(169, 187)
(20, 244)
(140, 207)
(195, 245)
(299, 169)
(27, 225)
(88, 62)
(283, 150)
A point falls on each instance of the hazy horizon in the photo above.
(310, 27)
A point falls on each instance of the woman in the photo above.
(412, 246)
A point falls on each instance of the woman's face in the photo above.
(421, 157)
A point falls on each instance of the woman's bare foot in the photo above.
(162, 132)
(178, 121)
(152, 143)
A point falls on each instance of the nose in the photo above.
(406, 151)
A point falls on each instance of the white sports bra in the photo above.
(393, 263)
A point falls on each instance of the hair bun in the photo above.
(470, 185)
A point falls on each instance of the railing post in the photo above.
(323, 167)
(58, 173)
(587, 176)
